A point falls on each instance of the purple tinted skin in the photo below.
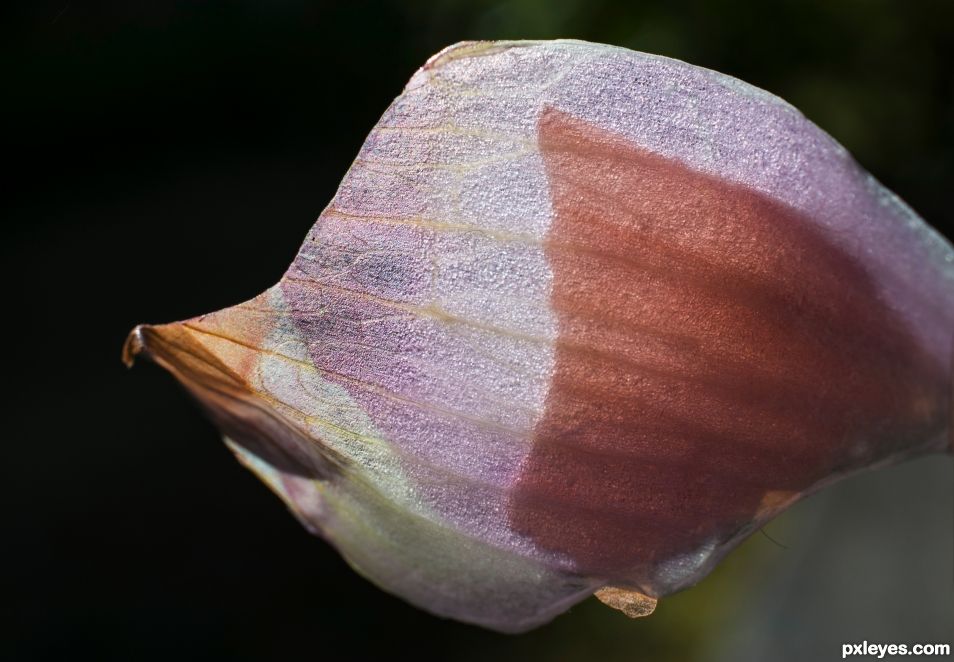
(578, 316)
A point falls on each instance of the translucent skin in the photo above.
(576, 317)
(717, 356)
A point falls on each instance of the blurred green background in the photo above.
(168, 158)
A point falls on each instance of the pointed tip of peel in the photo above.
(134, 345)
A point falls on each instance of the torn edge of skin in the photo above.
(632, 603)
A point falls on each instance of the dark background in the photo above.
(165, 159)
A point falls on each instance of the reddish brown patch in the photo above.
(715, 348)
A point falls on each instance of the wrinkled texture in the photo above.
(577, 317)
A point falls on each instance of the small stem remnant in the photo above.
(632, 603)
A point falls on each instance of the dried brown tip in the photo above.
(632, 603)
(133, 346)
